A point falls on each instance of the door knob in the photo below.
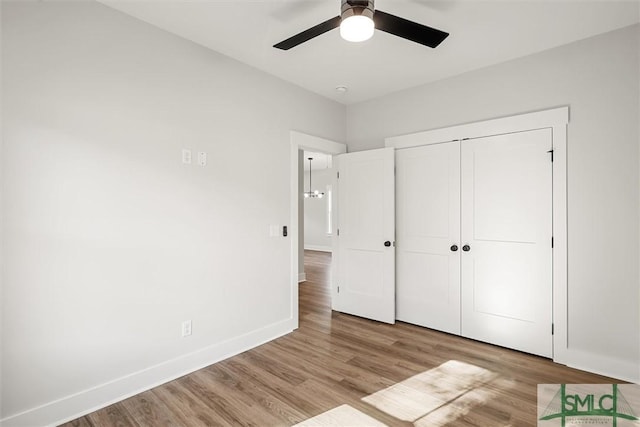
(466, 248)
(387, 243)
(454, 248)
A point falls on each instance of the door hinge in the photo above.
(551, 151)
(338, 289)
(551, 242)
(552, 329)
(338, 231)
(338, 175)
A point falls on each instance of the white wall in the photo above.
(315, 211)
(110, 242)
(598, 79)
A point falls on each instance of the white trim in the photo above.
(90, 400)
(319, 145)
(557, 119)
(529, 121)
(302, 277)
(603, 365)
(318, 248)
(560, 247)
(301, 141)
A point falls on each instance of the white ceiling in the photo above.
(482, 33)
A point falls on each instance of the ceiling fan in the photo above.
(357, 21)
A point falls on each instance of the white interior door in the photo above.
(507, 226)
(428, 236)
(365, 245)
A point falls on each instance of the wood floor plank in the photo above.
(81, 422)
(115, 415)
(334, 372)
(187, 409)
(334, 363)
(271, 394)
(146, 410)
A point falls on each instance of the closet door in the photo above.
(428, 236)
(506, 240)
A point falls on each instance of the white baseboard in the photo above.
(610, 367)
(318, 248)
(302, 277)
(87, 401)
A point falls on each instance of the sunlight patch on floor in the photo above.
(434, 398)
(421, 395)
(344, 415)
(460, 407)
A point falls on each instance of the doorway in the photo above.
(317, 204)
(300, 143)
(316, 228)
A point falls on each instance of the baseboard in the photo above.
(87, 401)
(624, 370)
(318, 248)
(302, 277)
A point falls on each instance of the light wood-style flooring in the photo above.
(336, 365)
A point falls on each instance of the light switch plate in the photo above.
(202, 158)
(186, 328)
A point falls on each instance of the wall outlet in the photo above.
(186, 156)
(186, 328)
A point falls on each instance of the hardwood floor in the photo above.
(396, 374)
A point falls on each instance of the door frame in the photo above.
(557, 120)
(301, 141)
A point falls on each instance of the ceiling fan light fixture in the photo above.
(356, 20)
(356, 28)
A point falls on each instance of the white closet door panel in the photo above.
(428, 212)
(507, 222)
(366, 220)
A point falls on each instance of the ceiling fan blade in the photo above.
(309, 34)
(408, 29)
